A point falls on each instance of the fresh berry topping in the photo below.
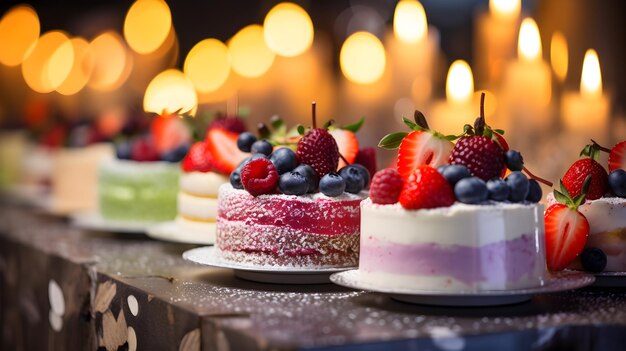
(503, 144)
(318, 149)
(235, 179)
(617, 182)
(144, 151)
(223, 146)
(426, 188)
(123, 150)
(518, 185)
(284, 160)
(480, 154)
(175, 155)
(471, 190)
(309, 173)
(498, 189)
(364, 173)
(534, 191)
(332, 184)
(259, 177)
(55, 137)
(454, 173)
(245, 141)
(169, 132)
(422, 148)
(576, 174)
(198, 159)
(293, 183)
(347, 144)
(355, 182)
(566, 232)
(367, 158)
(230, 123)
(386, 186)
(593, 260)
(261, 147)
(256, 156)
(617, 157)
(514, 160)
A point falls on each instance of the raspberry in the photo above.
(480, 154)
(426, 188)
(386, 187)
(259, 177)
(318, 149)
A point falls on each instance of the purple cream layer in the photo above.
(502, 261)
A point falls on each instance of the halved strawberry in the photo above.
(198, 159)
(348, 145)
(577, 172)
(422, 148)
(223, 146)
(169, 132)
(617, 157)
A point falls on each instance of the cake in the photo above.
(13, 144)
(286, 208)
(197, 202)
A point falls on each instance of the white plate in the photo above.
(562, 281)
(210, 256)
(169, 231)
(95, 222)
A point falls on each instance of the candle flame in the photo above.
(170, 91)
(591, 79)
(409, 21)
(558, 55)
(505, 8)
(460, 82)
(529, 43)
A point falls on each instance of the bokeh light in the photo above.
(591, 78)
(529, 42)
(250, 55)
(362, 58)
(81, 69)
(147, 25)
(559, 55)
(409, 21)
(170, 91)
(208, 65)
(460, 82)
(505, 8)
(35, 67)
(19, 31)
(288, 29)
(112, 63)
(60, 64)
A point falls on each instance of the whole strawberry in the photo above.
(198, 158)
(318, 149)
(575, 176)
(426, 188)
(386, 187)
(617, 156)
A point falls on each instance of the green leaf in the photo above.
(499, 131)
(411, 124)
(451, 137)
(276, 122)
(560, 197)
(392, 141)
(468, 129)
(564, 189)
(488, 133)
(354, 127)
(300, 129)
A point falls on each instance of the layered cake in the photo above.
(286, 208)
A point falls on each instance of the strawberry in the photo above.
(367, 158)
(222, 144)
(386, 186)
(169, 132)
(318, 149)
(55, 137)
(231, 123)
(259, 176)
(347, 144)
(426, 188)
(566, 229)
(617, 157)
(198, 159)
(578, 172)
(422, 147)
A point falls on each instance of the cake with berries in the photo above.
(596, 212)
(445, 220)
(286, 208)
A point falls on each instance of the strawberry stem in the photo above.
(420, 119)
(600, 147)
(539, 179)
(313, 114)
(479, 124)
(344, 159)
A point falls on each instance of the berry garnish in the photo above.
(454, 173)
(365, 173)
(175, 155)
(259, 177)
(534, 191)
(617, 156)
(124, 150)
(471, 190)
(566, 229)
(426, 188)
(169, 132)
(593, 260)
(332, 184)
(293, 183)
(347, 144)
(578, 172)
(143, 150)
(318, 149)
(514, 160)
(235, 179)
(353, 176)
(223, 146)
(245, 141)
(284, 160)
(311, 176)
(386, 186)
(367, 158)
(498, 189)
(198, 159)
(230, 123)
(617, 182)
(518, 186)
(261, 147)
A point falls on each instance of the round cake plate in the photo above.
(94, 221)
(610, 280)
(209, 256)
(558, 282)
(169, 231)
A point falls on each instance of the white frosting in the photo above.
(604, 214)
(204, 184)
(197, 207)
(460, 224)
(204, 229)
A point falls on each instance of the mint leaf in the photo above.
(392, 141)
(410, 124)
(354, 127)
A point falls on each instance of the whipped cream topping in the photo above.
(202, 184)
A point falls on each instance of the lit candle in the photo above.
(495, 34)
(586, 114)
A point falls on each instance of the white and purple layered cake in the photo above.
(457, 248)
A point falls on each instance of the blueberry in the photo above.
(617, 182)
(245, 141)
(255, 156)
(593, 260)
(518, 185)
(311, 176)
(284, 159)
(365, 173)
(293, 183)
(261, 147)
(235, 179)
(124, 150)
(454, 173)
(442, 168)
(514, 160)
(332, 185)
(534, 191)
(471, 190)
(353, 178)
(175, 155)
(498, 190)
